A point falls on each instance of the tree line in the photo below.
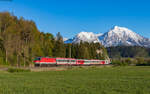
(128, 52)
(21, 42)
(129, 55)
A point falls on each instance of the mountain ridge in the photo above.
(116, 36)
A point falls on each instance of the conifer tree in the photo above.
(59, 47)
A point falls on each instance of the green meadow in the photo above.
(78, 80)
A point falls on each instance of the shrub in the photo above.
(148, 62)
(122, 62)
(12, 70)
(117, 62)
(141, 61)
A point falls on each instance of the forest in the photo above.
(21, 42)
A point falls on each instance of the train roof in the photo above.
(71, 58)
(66, 58)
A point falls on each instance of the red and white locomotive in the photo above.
(47, 61)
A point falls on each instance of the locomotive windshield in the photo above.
(38, 58)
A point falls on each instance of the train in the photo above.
(48, 61)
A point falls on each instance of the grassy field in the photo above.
(92, 80)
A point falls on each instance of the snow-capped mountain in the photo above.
(84, 37)
(65, 39)
(122, 36)
(115, 37)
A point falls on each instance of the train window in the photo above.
(72, 60)
(62, 60)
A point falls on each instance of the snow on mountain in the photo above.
(98, 35)
(115, 37)
(65, 39)
(84, 37)
(121, 36)
(68, 41)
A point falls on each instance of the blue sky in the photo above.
(73, 16)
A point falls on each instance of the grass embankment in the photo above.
(93, 80)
